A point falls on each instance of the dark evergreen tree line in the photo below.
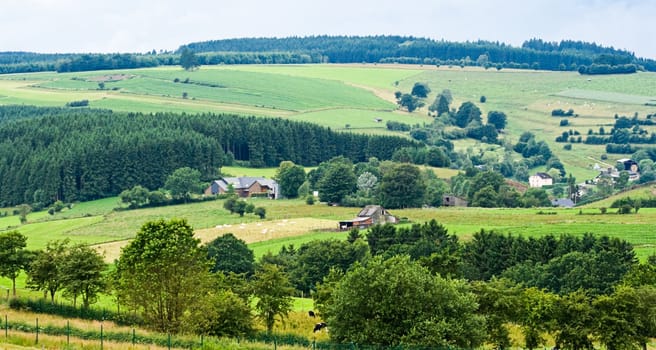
(90, 154)
(343, 49)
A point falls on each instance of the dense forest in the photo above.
(68, 154)
(535, 53)
(587, 58)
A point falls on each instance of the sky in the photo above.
(143, 25)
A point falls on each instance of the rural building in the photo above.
(244, 187)
(540, 179)
(453, 201)
(368, 216)
(629, 165)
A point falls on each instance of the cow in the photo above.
(319, 326)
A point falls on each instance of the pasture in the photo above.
(358, 97)
(294, 222)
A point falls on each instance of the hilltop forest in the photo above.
(78, 155)
(587, 58)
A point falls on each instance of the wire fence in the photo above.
(101, 336)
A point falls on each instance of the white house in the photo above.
(540, 179)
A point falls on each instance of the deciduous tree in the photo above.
(183, 182)
(290, 177)
(162, 273)
(82, 274)
(274, 292)
(13, 256)
(231, 254)
(396, 301)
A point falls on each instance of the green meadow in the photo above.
(359, 97)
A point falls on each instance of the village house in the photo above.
(368, 216)
(244, 187)
(540, 179)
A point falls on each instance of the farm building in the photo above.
(540, 179)
(368, 216)
(453, 201)
(245, 187)
(627, 164)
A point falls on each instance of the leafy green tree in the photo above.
(23, 210)
(498, 119)
(274, 292)
(420, 90)
(183, 182)
(440, 105)
(260, 212)
(484, 179)
(499, 301)
(315, 259)
(410, 102)
(337, 181)
(231, 254)
(467, 113)
(45, 270)
(82, 274)
(230, 203)
(402, 187)
(13, 256)
(486, 197)
(574, 321)
(535, 314)
(535, 197)
(396, 301)
(163, 273)
(135, 197)
(188, 60)
(240, 207)
(290, 177)
(436, 157)
(222, 313)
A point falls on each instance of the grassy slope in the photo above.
(337, 95)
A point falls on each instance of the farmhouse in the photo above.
(245, 187)
(368, 216)
(540, 179)
(449, 200)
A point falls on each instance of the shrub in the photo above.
(309, 200)
(625, 209)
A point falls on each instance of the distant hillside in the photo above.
(535, 53)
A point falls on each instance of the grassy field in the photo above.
(357, 95)
(293, 221)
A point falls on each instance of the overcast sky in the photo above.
(143, 25)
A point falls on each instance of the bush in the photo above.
(80, 103)
(567, 147)
(483, 99)
(625, 209)
(309, 200)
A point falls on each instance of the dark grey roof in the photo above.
(563, 202)
(244, 182)
(369, 210)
